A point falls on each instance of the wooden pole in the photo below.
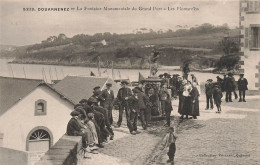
(24, 72)
(56, 73)
(99, 72)
(62, 72)
(12, 70)
(50, 74)
(43, 75)
(113, 74)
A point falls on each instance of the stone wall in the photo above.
(66, 151)
(11, 157)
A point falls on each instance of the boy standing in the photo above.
(169, 140)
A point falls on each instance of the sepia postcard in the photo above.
(127, 82)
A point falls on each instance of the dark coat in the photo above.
(208, 89)
(143, 100)
(194, 96)
(122, 93)
(229, 84)
(133, 103)
(108, 98)
(73, 127)
(217, 95)
(242, 84)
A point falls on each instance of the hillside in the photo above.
(199, 45)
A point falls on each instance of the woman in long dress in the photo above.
(194, 95)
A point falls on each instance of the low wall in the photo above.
(12, 157)
(66, 151)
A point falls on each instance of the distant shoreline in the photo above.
(164, 68)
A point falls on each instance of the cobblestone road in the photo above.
(231, 137)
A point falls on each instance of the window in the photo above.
(255, 37)
(254, 6)
(39, 139)
(40, 107)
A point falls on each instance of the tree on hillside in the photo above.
(228, 46)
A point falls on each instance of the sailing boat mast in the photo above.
(113, 74)
(99, 72)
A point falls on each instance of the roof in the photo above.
(79, 87)
(13, 90)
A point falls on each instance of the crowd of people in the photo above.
(214, 91)
(93, 118)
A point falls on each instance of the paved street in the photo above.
(231, 137)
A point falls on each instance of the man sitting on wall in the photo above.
(74, 129)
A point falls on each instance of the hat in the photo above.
(160, 75)
(92, 100)
(135, 90)
(83, 101)
(210, 80)
(108, 84)
(74, 113)
(77, 105)
(241, 74)
(97, 87)
(217, 77)
(124, 82)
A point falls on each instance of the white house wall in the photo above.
(18, 121)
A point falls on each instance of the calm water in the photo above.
(54, 72)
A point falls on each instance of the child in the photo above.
(217, 95)
(169, 140)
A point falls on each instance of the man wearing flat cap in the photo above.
(209, 93)
(108, 101)
(97, 94)
(105, 127)
(242, 87)
(74, 129)
(122, 96)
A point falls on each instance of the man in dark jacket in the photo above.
(242, 87)
(143, 100)
(108, 101)
(74, 129)
(107, 129)
(229, 87)
(99, 121)
(208, 90)
(123, 95)
(133, 112)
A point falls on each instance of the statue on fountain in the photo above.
(154, 63)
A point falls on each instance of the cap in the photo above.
(74, 113)
(124, 82)
(108, 84)
(135, 90)
(92, 100)
(83, 101)
(97, 87)
(77, 105)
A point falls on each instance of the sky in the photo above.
(19, 27)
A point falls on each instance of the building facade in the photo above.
(249, 22)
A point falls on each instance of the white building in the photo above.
(33, 115)
(249, 21)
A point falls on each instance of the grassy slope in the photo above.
(197, 46)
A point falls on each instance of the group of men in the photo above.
(92, 119)
(228, 85)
